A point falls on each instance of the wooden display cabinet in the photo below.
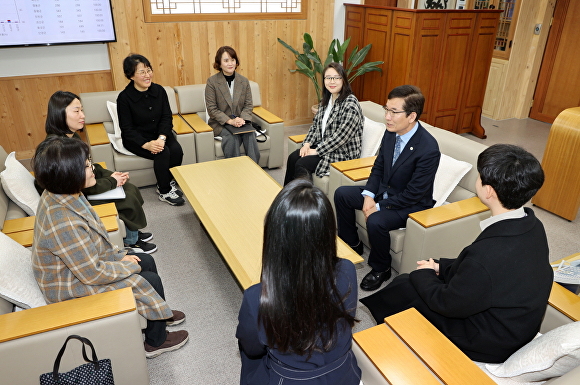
(446, 53)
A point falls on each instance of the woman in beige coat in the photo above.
(72, 255)
(228, 99)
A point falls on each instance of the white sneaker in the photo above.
(567, 274)
(174, 188)
(172, 198)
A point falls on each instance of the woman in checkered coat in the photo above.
(336, 132)
(72, 255)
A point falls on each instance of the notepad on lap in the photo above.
(116, 193)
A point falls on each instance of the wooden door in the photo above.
(559, 80)
(354, 29)
(377, 32)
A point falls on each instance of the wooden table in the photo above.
(231, 198)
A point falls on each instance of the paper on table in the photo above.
(116, 193)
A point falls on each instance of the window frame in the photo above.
(149, 17)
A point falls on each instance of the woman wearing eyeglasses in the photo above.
(65, 117)
(72, 255)
(336, 132)
(146, 125)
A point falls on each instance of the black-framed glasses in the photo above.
(91, 165)
(332, 78)
(393, 113)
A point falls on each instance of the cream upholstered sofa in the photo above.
(191, 103)
(99, 124)
(10, 211)
(30, 339)
(438, 232)
(538, 360)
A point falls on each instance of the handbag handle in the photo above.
(94, 361)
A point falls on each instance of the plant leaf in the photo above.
(308, 40)
(360, 56)
(296, 53)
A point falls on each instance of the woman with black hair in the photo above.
(72, 255)
(336, 132)
(297, 323)
(65, 117)
(146, 125)
(228, 99)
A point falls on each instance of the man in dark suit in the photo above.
(401, 182)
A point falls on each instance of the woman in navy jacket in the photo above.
(296, 325)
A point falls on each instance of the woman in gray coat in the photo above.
(228, 99)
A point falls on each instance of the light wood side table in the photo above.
(560, 193)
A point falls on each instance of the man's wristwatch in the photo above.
(163, 137)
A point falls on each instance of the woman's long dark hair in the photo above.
(300, 306)
(56, 114)
(344, 92)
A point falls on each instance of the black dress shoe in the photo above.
(374, 279)
(359, 249)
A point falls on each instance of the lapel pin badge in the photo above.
(411, 148)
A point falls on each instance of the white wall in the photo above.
(53, 59)
(338, 31)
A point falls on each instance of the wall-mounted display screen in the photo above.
(48, 22)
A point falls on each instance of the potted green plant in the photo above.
(310, 64)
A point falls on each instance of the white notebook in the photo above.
(116, 193)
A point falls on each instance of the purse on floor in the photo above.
(94, 372)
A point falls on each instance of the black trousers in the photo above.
(171, 156)
(155, 332)
(300, 167)
(347, 199)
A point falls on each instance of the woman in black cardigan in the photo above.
(146, 125)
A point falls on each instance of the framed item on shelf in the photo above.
(435, 4)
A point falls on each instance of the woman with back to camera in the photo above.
(65, 117)
(296, 325)
(336, 132)
(72, 255)
(146, 125)
(228, 99)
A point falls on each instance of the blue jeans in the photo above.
(131, 238)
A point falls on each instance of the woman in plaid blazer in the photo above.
(71, 253)
(336, 132)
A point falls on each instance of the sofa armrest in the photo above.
(274, 127)
(101, 147)
(450, 212)
(565, 302)
(294, 142)
(185, 138)
(447, 234)
(445, 359)
(354, 164)
(204, 139)
(31, 339)
(417, 353)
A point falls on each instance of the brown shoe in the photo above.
(178, 317)
(174, 341)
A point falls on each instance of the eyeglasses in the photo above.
(91, 165)
(393, 113)
(142, 73)
(333, 78)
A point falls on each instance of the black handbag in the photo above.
(259, 133)
(95, 372)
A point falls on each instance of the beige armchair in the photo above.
(419, 353)
(438, 232)
(30, 339)
(191, 103)
(99, 123)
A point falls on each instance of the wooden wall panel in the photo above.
(183, 52)
(24, 101)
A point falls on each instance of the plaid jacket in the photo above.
(72, 257)
(342, 138)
